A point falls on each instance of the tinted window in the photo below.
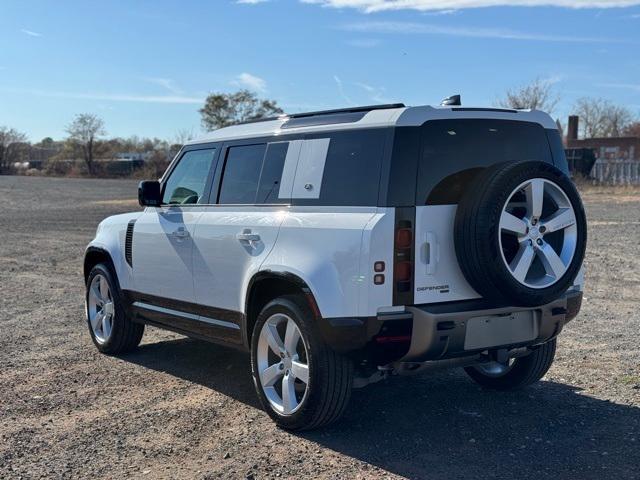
(352, 169)
(271, 174)
(450, 147)
(187, 181)
(241, 174)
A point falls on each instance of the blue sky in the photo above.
(145, 67)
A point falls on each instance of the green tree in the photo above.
(224, 109)
(83, 133)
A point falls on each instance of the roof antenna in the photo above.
(452, 100)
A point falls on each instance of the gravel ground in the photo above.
(180, 408)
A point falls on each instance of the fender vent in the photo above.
(128, 243)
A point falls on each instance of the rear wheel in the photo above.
(111, 330)
(301, 382)
(517, 372)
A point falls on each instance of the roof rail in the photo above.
(366, 108)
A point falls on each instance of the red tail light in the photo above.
(403, 271)
(404, 238)
(403, 247)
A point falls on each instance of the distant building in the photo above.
(607, 159)
(131, 156)
(606, 148)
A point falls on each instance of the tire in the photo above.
(124, 335)
(330, 375)
(523, 372)
(482, 249)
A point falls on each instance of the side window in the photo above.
(351, 170)
(187, 181)
(271, 175)
(241, 174)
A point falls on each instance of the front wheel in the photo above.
(111, 330)
(301, 382)
(517, 372)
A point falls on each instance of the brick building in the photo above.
(606, 148)
(617, 159)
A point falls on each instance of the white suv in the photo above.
(342, 246)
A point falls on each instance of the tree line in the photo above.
(86, 142)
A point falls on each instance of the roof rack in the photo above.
(366, 108)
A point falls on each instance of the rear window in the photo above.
(453, 151)
(241, 174)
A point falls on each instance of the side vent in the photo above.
(128, 243)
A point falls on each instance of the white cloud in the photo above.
(627, 86)
(166, 83)
(31, 33)
(251, 2)
(116, 97)
(377, 94)
(369, 6)
(364, 42)
(251, 82)
(341, 91)
(461, 31)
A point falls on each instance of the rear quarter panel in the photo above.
(322, 246)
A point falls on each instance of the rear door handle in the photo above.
(431, 252)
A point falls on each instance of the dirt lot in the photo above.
(180, 408)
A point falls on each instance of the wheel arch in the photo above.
(267, 285)
(95, 255)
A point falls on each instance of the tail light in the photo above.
(403, 256)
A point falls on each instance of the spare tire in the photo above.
(520, 233)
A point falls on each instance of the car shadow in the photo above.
(443, 425)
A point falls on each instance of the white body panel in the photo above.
(377, 246)
(224, 263)
(110, 237)
(437, 273)
(322, 246)
(163, 246)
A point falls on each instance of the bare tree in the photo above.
(537, 95)
(83, 132)
(633, 130)
(10, 141)
(224, 109)
(182, 136)
(601, 118)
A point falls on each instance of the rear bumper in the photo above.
(449, 330)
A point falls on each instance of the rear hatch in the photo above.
(452, 153)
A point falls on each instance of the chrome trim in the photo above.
(190, 316)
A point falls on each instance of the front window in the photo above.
(187, 181)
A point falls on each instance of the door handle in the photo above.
(248, 238)
(180, 233)
(432, 252)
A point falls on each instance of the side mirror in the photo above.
(149, 193)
